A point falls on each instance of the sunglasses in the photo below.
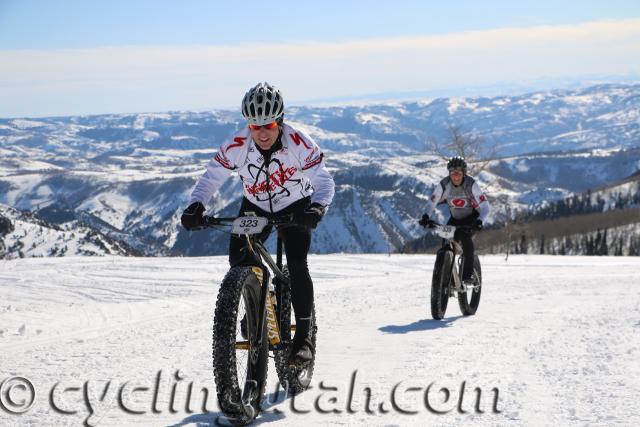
(268, 126)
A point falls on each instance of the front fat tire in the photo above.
(240, 282)
(440, 283)
(469, 301)
(288, 379)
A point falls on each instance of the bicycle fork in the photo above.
(268, 313)
(267, 309)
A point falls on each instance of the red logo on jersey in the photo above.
(276, 179)
(238, 142)
(223, 161)
(297, 139)
(482, 198)
(459, 203)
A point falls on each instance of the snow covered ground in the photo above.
(558, 337)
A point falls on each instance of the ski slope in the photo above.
(558, 337)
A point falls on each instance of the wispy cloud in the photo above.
(37, 82)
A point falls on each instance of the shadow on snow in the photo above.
(214, 419)
(420, 325)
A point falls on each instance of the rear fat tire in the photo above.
(288, 378)
(469, 301)
(240, 282)
(440, 283)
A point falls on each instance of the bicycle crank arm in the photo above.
(465, 288)
(242, 345)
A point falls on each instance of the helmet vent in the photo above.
(262, 104)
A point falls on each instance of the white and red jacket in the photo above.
(295, 171)
(462, 200)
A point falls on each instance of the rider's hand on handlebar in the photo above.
(311, 216)
(424, 221)
(478, 224)
(192, 216)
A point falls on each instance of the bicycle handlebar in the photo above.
(211, 221)
(433, 224)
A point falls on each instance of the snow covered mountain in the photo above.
(130, 176)
(25, 235)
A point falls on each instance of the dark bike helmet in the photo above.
(457, 162)
(263, 104)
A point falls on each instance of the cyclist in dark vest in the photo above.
(468, 206)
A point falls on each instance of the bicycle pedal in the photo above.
(300, 371)
(299, 367)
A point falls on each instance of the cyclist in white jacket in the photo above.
(282, 171)
(468, 206)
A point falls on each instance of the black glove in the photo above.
(311, 216)
(192, 216)
(424, 221)
(478, 224)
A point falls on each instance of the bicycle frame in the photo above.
(446, 281)
(455, 247)
(267, 311)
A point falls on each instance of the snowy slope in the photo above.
(557, 336)
(26, 235)
(622, 194)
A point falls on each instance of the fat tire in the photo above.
(240, 282)
(288, 380)
(469, 307)
(440, 283)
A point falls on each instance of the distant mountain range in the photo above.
(129, 176)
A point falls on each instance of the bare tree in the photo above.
(477, 152)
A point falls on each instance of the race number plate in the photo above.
(445, 231)
(249, 225)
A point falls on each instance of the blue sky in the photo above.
(76, 24)
(82, 57)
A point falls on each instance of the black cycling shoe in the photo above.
(302, 349)
(303, 354)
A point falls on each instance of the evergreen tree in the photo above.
(589, 248)
(604, 249)
(523, 244)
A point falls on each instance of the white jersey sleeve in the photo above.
(483, 204)
(435, 198)
(217, 171)
(311, 159)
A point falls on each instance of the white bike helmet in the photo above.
(262, 104)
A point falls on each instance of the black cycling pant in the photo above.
(297, 241)
(464, 236)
